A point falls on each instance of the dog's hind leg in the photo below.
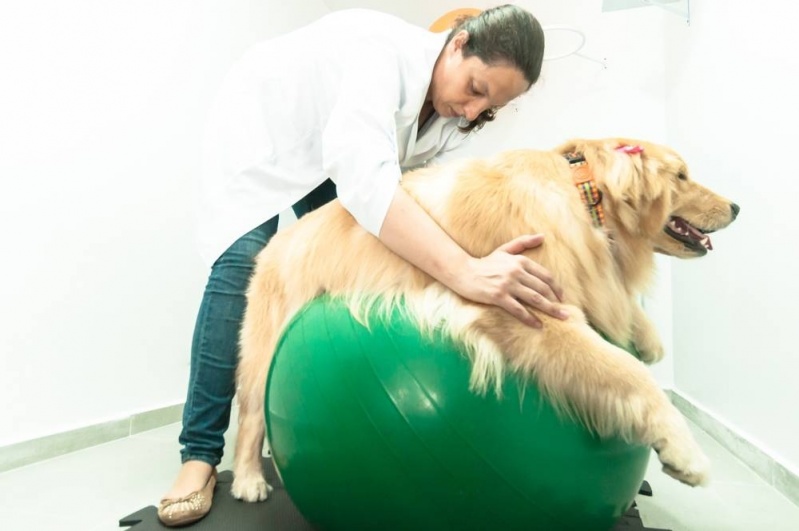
(262, 320)
(249, 483)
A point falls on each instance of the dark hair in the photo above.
(503, 35)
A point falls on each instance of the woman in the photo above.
(353, 99)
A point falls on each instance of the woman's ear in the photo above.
(460, 39)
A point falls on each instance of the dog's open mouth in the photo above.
(690, 236)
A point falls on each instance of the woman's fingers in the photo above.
(543, 299)
(541, 281)
(511, 281)
(538, 278)
(522, 243)
(516, 309)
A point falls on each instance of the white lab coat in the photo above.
(339, 98)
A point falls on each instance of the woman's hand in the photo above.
(509, 280)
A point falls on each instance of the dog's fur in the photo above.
(483, 204)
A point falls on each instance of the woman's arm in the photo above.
(504, 278)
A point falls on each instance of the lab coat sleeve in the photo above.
(456, 146)
(359, 141)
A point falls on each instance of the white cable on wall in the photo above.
(576, 50)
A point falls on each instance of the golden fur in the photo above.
(483, 204)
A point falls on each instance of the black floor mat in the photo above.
(279, 514)
(230, 514)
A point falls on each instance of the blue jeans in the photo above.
(214, 349)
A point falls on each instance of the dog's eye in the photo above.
(681, 176)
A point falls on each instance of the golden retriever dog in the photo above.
(605, 206)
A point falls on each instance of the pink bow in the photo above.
(630, 150)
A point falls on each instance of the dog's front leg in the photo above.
(605, 387)
(645, 337)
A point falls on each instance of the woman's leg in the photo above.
(322, 194)
(206, 414)
(214, 355)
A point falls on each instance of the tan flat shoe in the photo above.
(188, 509)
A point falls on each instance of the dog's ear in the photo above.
(631, 174)
(623, 170)
(652, 221)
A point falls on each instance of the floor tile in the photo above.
(736, 499)
(90, 490)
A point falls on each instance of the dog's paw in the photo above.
(651, 355)
(646, 339)
(693, 472)
(650, 349)
(251, 488)
(681, 456)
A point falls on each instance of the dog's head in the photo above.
(648, 195)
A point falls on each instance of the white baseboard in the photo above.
(764, 465)
(35, 450)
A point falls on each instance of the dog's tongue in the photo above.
(703, 238)
(686, 228)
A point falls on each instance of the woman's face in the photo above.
(467, 86)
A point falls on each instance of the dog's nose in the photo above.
(735, 209)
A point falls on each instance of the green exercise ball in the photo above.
(376, 429)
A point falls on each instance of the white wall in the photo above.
(732, 111)
(101, 107)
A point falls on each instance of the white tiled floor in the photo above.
(92, 489)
